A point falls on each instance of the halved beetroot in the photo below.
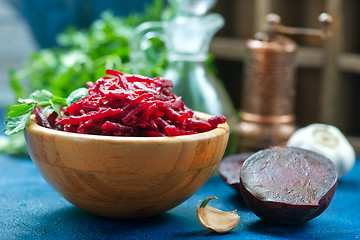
(230, 168)
(286, 185)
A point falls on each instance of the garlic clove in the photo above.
(328, 141)
(215, 219)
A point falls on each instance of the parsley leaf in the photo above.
(20, 109)
(16, 124)
(41, 95)
(19, 114)
(76, 95)
(57, 103)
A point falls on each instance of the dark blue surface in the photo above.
(30, 209)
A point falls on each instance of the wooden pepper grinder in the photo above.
(267, 117)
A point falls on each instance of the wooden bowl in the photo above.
(125, 177)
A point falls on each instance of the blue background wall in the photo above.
(49, 17)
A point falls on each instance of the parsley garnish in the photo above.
(19, 114)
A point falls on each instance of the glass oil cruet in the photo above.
(187, 38)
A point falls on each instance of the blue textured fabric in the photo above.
(30, 209)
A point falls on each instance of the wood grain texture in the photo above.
(125, 177)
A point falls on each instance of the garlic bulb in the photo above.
(328, 141)
(215, 219)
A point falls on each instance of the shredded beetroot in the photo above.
(131, 105)
(40, 117)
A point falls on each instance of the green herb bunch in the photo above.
(83, 55)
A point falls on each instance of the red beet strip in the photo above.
(130, 105)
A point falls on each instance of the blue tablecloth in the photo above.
(30, 209)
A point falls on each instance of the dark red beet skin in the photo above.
(286, 185)
(230, 167)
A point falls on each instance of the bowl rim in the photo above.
(218, 131)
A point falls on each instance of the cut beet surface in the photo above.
(230, 168)
(286, 185)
